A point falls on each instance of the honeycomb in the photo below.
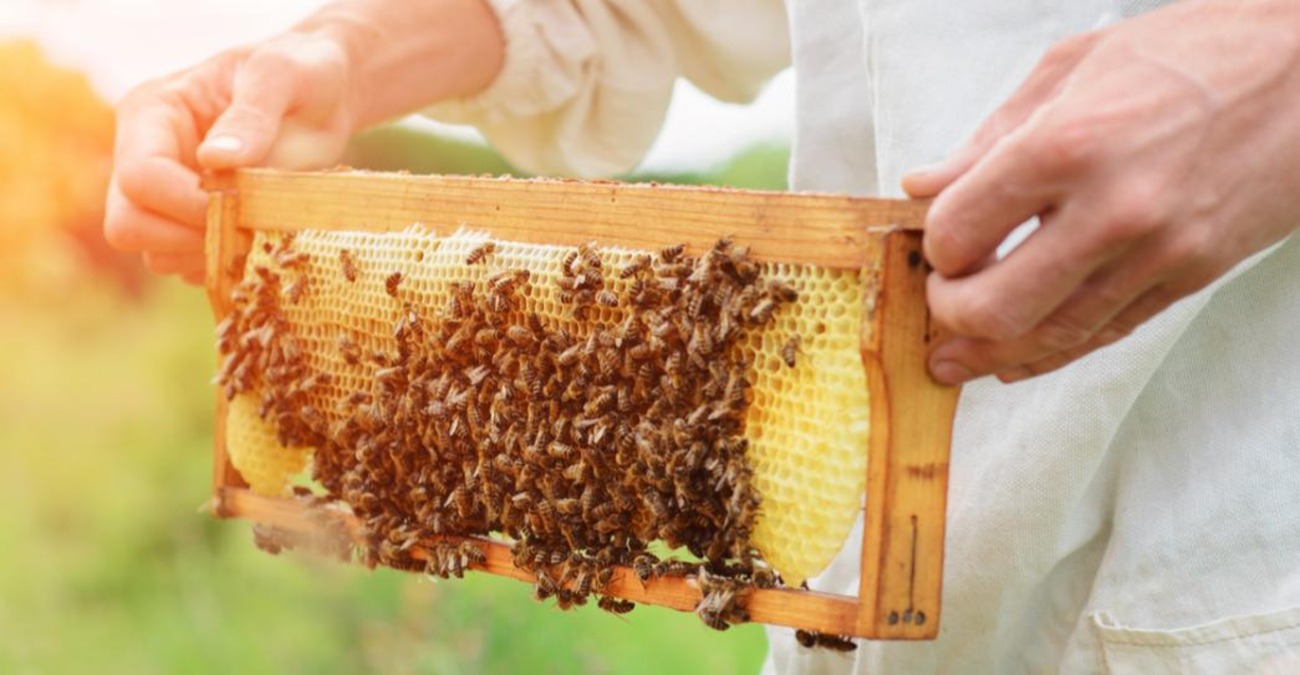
(807, 425)
(253, 449)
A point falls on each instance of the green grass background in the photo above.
(108, 566)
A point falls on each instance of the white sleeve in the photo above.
(586, 83)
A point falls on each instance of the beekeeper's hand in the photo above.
(290, 102)
(1157, 153)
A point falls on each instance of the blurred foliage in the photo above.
(110, 566)
(56, 144)
(397, 147)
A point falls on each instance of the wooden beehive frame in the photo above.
(911, 415)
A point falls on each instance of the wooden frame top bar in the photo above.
(828, 230)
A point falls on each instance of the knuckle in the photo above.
(273, 58)
(1194, 254)
(1058, 333)
(1116, 331)
(943, 244)
(1135, 212)
(136, 178)
(1067, 147)
(120, 233)
(985, 316)
(153, 263)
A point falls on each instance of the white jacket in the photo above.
(1135, 512)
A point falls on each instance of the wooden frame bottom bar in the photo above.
(824, 612)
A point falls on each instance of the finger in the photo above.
(1008, 298)
(194, 278)
(1121, 326)
(1076, 321)
(244, 134)
(152, 143)
(1042, 84)
(1026, 174)
(184, 264)
(128, 227)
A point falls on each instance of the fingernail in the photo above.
(950, 372)
(224, 143)
(924, 171)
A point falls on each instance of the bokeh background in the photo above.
(107, 563)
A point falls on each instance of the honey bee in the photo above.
(487, 337)
(838, 643)
(604, 576)
(789, 350)
(479, 254)
(672, 253)
(764, 577)
(520, 335)
(607, 298)
(762, 311)
(582, 582)
(614, 605)
(295, 290)
(639, 264)
(713, 619)
(567, 266)
(643, 566)
(784, 292)
(504, 282)
(561, 451)
(472, 553)
(545, 587)
(392, 282)
(570, 356)
(589, 255)
(291, 259)
(348, 264)
(500, 304)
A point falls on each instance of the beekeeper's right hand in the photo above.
(290, 102)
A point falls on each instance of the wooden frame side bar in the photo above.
(911, 431)
(825, 230)
(223, 269)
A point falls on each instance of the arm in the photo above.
(582, 89)
(291, 101)
(1157, 153)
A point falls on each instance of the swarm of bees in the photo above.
(582, 446)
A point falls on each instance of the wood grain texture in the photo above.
(907, 474)
(783, 607)
(826, 230)
(222, 271)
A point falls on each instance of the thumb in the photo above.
(1042, 85)
(244, 134)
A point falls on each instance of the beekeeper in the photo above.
(1132, 510)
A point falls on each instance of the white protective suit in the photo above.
(1137, 512)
